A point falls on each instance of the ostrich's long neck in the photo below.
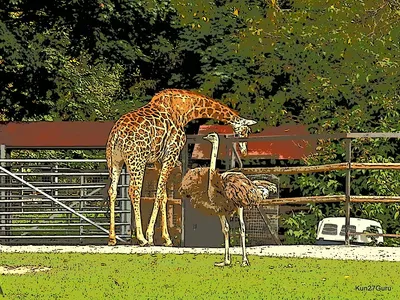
(213, 166)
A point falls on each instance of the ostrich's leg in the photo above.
(245, 261)
(225, 231)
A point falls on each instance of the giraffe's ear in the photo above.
(249, 122)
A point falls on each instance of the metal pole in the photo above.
(58, 202)
(348, 191)
(83, 193)
(3, 192)
(236, 154)
(228, 146)
(185, 166)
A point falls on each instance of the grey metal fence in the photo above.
(59, 201)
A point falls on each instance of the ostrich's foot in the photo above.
(112, 241)
(222, 264)
(245, 263)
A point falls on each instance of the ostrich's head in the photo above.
(242, 129)
(212, 137)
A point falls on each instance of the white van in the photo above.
(331, 231)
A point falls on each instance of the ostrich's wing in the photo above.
(266, 185)
(195, 187)
(240, 190)
(268, 177)
(194, 182)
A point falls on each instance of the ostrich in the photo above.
(223, 195)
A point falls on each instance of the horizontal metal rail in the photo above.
(53, 187)
(56, 212)
(22, 219)
(69, 229)
(41, 200)
(16, 237)
(55, 173)
(45, 160)
(56, 224)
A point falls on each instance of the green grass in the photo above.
(189, 276)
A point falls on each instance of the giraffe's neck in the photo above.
(213, 166)
(185, 106)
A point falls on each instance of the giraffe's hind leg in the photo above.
(115, 171)
(136, 172)
(160, 203)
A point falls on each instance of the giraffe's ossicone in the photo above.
(155, 133)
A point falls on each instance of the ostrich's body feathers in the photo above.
(230, 190)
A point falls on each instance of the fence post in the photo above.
(185, 166)
(3, 192)
(228, 146)
(348, 191)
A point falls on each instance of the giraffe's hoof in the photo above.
(112, 242)
(168, 244)
(144, 243)
(222, 264)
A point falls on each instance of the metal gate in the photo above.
(59, 201)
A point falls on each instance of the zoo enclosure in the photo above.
(23, 199)
(34, 216)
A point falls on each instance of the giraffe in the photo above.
(154, 133)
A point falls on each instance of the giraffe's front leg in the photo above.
(164, 226)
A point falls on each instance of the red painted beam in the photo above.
(55, 134)
(285, 149)
(79, 135)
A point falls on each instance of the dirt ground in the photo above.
(20, 270)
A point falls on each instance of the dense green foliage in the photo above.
(332, 65)
(189, 276)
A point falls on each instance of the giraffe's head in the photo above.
(241, 128)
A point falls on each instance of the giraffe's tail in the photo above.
(104, 193)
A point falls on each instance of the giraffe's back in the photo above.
(143, 133)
